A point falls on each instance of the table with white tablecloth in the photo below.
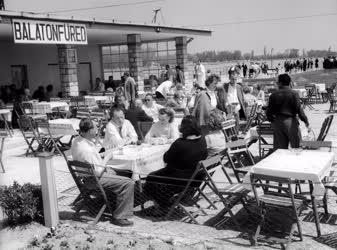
(301, 92)
(299, 164)
(47, 107)
(64, 126)
(307, 165)
(141, 160)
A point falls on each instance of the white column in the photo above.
(49, 194)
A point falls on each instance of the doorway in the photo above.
(84, 75)
(19, 76)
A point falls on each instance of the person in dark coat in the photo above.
(282, 111)
(181, 161)
(136, 114)
(40, 94)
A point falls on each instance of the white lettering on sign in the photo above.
(29, 31)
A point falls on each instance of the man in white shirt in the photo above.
(119, 189)
(151, 108)
(164, 88)
(119, 131)
(234, 94)
(200, 73)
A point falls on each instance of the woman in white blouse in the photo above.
(164, 131)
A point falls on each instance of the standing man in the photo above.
(130, 87)
(180, 78)
(233, 95)
(200, 73)
(283, 108)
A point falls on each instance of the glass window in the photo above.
(162, 46)
(155, 55)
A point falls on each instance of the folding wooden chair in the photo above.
(51, 142)
(238, 155)
(90, 188)
(265, 130)
(230, 195)
(273, 197)
(27, 109)
(29, 133)
(144, 128)
(3, 135)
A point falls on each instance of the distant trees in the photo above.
(225, 55)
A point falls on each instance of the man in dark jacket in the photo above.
(283, 108)
(136, 114)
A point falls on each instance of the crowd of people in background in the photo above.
(330, 62)
(302, 64)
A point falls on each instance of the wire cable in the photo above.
(263, 20)
(105, 6)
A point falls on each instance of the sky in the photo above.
(236, 25)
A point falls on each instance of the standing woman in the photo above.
(205, 102)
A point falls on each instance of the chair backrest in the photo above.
(251, 118)
(278, 186)
(229, 129)
(82, 113)
(265, 128)
(144, 128)
(97, 115)
(325, 128)
(238, 154)
(26, 107)
(210, 166)
(77, 101)
(83, 173)
(25, 124)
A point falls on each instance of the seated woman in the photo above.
(164, 131)
(215, 139)
(178, 103)
(181, 160)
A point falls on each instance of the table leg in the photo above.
(314, 208)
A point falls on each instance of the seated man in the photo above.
(119, 132)
(119, 189)
(136, 114)
(151, 108)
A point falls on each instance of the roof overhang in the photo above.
(102, 31)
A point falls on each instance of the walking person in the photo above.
(282, 111)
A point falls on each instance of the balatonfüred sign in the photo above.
(31, 31)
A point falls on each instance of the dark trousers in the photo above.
(286, 130)
(120, 191)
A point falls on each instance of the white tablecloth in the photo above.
(307, 165)
(99, 98)
(141, 160)
(6, 113)
(320, 87)
(64, 126)
(301, 92)
(47, 107)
